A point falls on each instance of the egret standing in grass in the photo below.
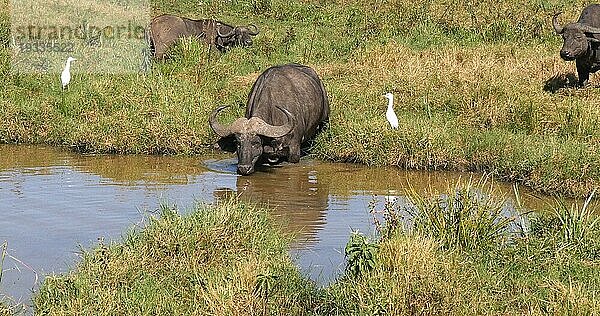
(65, 76)
(390, 114)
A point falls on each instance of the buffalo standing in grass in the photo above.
(286, 107)
(166, 29)
(582, 41)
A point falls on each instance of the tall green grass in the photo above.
(463, 218)
(227, 259)
(7, 306)
(454, 253)
(4, 309)
(577, 225)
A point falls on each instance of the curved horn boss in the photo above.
(220, 28)
(224, 131)
(217, 127)
(265, 129)
(588, 29)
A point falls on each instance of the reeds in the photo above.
(577, 225)
(464, 218)
(4, 309)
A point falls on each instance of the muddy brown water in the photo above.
(55, 201)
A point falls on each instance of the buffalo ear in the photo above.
(227, 143)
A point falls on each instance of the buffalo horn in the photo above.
(265, 129)
(588, 29)
(224, 35)
(557, 27)
(222, 130)
(256, 29)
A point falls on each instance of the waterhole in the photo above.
(53, 202)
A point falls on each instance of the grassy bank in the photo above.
(459, 253)
(223, 260)
(476, 89)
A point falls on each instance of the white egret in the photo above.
(390, 114)
(65, 76)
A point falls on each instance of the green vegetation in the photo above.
(222, 260)
(230, 259)
(7, 307)
(461, 254)
(361, 255)
(4, 309)
(476, 88)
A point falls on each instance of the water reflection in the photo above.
(54, 200)
(294, 193)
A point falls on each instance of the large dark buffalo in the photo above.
(286, 107)
(581, 41)
(165, 30)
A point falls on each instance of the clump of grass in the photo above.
(411, 276)
(222, 259)
(466, 217)
(4, 310)
(456, 260)
(577, 225)
(2, 257)
(571, 227)
(10, 308)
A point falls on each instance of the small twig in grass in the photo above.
(4, 245)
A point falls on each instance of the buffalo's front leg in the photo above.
(294, 154)
(583, 72)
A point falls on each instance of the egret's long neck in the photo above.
(68, 65)
(390, 102)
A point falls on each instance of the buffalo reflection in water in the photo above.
(294, 194)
